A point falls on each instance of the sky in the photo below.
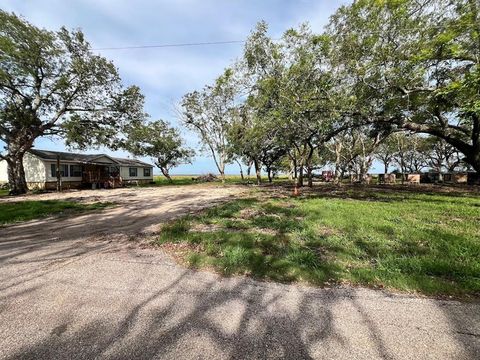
(166, 74)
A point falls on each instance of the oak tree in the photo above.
(52, 84)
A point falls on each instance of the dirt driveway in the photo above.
(135, 211)
(69, 290)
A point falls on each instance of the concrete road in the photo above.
(89, 297)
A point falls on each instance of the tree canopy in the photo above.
(381, 72)
(52, 84)
(161, 142)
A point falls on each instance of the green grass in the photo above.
(3, 192)
(11, 212)
(188, 180)
(176, 180)
(423, 242)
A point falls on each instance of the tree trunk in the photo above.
(241, 169)
(336, 175)
(300, 176)
(310, 176)
(474, 160)
(166, 174)
(16, 174)
(258, 171)
(309, 166)
(249, 169)
(269, 174)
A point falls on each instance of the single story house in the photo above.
(79, 170)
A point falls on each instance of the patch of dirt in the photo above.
(326, 231)
(263, 231)
(138, 211)
(180, 250)
(250, 213)
(206, 228)
(211, 228)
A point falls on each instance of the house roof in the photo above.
(85, 158)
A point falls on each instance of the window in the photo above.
(75, 170)
(63, 170)
(132, 172)
(147, 172)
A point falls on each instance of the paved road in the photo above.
(86, 298)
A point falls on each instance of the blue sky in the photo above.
(165, 74)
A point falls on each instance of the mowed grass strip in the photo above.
(11, 212)
(190, 180)
(414, 242)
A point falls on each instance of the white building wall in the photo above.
(50, 178)
(38, 170)
(34, 168)
(125, 173)
(3, 172)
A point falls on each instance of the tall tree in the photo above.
(442, 156)
(162, 143)
(210, 113)
(410, 154)
(353, 151)
(52, 84)
(292, 90)
(385, 152)
(415, 65)
(249, 137)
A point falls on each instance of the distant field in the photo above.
(188, 179)
(414, 240)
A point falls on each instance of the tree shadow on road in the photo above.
(235, 318)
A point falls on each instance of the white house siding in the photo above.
(125, 173)
(3, 172)
(38, 172)
(48, 165)
(34, 169)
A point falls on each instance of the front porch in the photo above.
(101, 176)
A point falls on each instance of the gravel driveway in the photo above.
(67, 291)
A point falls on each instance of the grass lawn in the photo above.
(27, 210)
(3, 192)
(188, 180)
(396, 238)
(176, 180)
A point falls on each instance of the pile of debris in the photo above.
(206, 178)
